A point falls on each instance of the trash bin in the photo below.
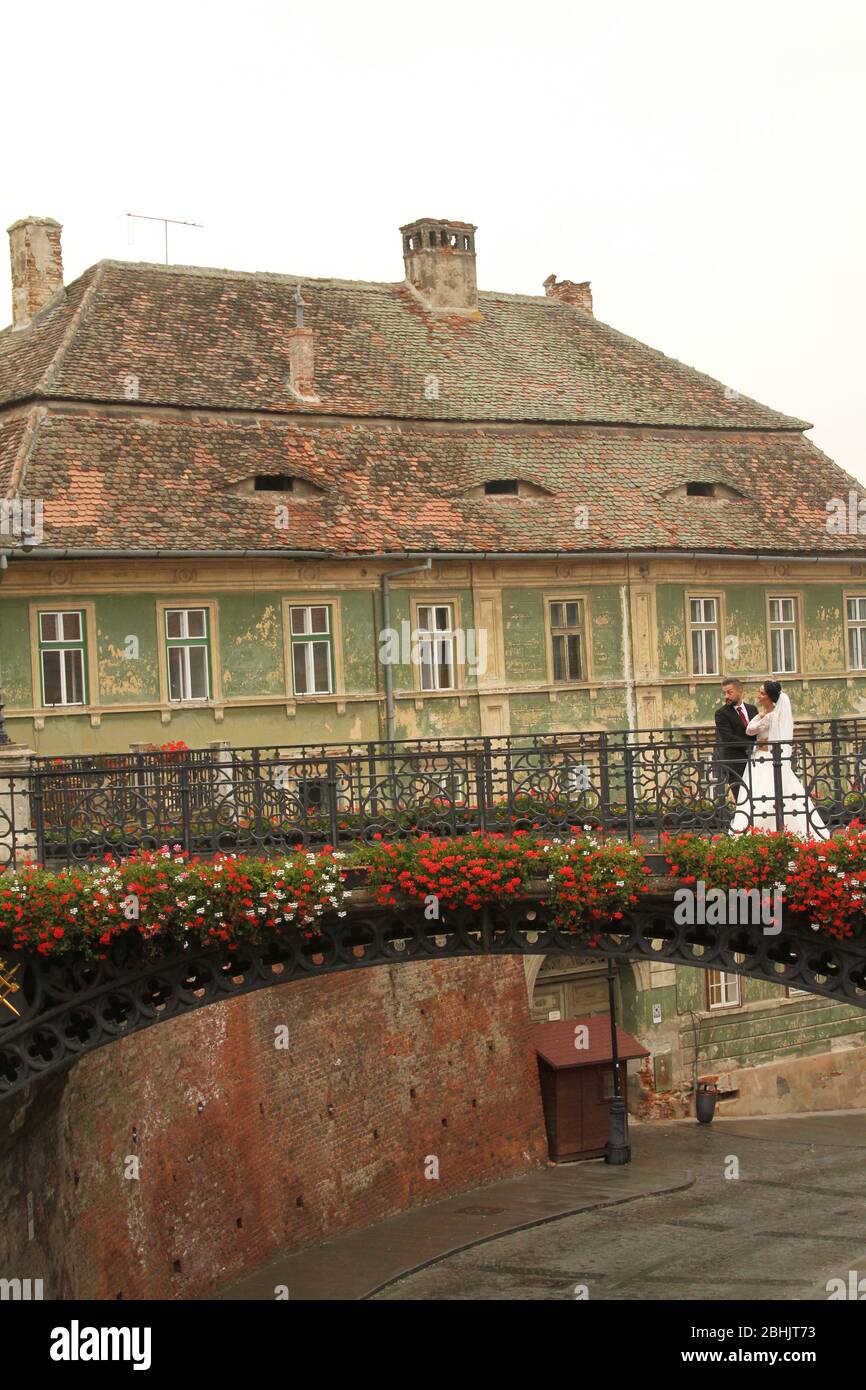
(706, 1095)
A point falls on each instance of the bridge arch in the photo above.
(69, 1007)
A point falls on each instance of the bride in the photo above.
(756, 798)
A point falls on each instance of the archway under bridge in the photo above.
(560, 986)
(68, 1007)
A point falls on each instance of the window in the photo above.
(507, 487)
(436, 646)
(783, 635)
(188, 652)
(451, 785)
(568, 636)
(700, 490)
(856, 615)
(273, 482)
(312, 654)
(62, 657)
(704, 636)
(723, 989)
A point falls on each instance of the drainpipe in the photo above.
(627, 658)
(385, 583)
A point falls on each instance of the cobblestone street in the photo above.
(795, 1218)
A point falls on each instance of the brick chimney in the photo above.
(37, 266)
(302, 352)
(578, 296)
(439, 257)
(302, 361)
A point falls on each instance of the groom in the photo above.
(733, 744)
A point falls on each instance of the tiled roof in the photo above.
(555, 1042)
(143, 479)
(218, 339)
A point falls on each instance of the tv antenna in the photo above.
(175, 222)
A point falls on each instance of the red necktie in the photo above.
(745, 718)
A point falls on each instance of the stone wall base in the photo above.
(834, 1080)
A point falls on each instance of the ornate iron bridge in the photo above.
(267, 800)
(66, 1008)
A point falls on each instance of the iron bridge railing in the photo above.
(267, 800)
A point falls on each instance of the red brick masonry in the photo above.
(246, 1148)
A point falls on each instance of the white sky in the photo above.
(702, 165)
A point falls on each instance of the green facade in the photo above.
(252, 664)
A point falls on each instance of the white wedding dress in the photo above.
(756, 798)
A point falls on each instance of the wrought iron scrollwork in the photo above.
(270, 800)
(66, 1008)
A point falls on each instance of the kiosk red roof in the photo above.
(555, 1042)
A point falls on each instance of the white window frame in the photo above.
(307, 640)
(723, 983)
(62, 645)
(702, 628)
(431, 640)
(855, 627)
(183, 643)
(781, 626)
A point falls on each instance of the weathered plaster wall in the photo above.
(769, 1027)
(15, 653)
(251, 644)
(251, 660)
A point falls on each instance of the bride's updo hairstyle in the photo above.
(773, 690)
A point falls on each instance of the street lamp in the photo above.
(617, 1148)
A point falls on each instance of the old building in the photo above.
(210, 475)
(213, 491)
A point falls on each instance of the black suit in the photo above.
(733, 744)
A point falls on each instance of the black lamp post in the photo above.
(617, 1149)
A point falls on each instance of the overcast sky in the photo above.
(702, 165)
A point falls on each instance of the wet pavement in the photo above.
(775, 1211)
(789, 1216)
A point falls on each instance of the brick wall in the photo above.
(245, 1149)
